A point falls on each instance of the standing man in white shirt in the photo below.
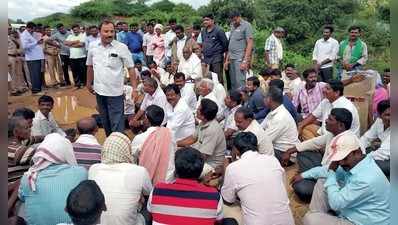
(258, 181)
(325, 54)
(147, 40)
(77, 48)
(34, 56)
(181, 121)
(334, 98)
(279, 124)
(273, 48)
(169, 37)
(105, 66)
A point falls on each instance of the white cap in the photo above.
(343, 145)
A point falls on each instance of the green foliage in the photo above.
(221, 9)
(163, 5)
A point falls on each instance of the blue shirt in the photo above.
(33, 50)
(256, 104)
(121, 37)
(134, 42)
(288, 105)
(46, 206)
(360, 195)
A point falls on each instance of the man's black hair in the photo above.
(383, 106)
(277, 83)
(30, 25)
(24, 112)
(208, 15)
(234, 13)
(291, 65)
(155, 115)
(308, 71)
(13, 123)
(245, 141)
(246, 112)
(46, 98)
(85, 203)
(87, 130)
(342, 115)
(266, 72)
(172, 20)
(337, 85)
(172, 87)
(59, 25)
(196, 27)
(188, 163)
(329, 27)
(179, 27)
(75, 25)
(354, 28)
(255, 80)
(235, 96)
(179, 75)
(275, 94)
(209, 109)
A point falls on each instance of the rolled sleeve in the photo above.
(312, 144)
(315, 173)
(364, 57)
(126, 57)
(89, 61)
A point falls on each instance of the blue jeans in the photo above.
(111, 109)
(138, 56)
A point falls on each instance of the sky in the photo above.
(30, 9)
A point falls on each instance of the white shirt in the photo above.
(87, 139)
(77, 53)
(41, 125)
(129, 106)
(325, 50)
(293, 86)
(212, 97)
(264, 141)
(136, 147)
(146, 41)
(166, 78)
(281, 128)
(158, 98)
(192, 68)
(258, 180)
(377, 131)
(188, 94)
(122, 185)
(180, 46)
(33, 50)
(181, 121)
(323, 110)
(108, 64)
(168, 38)
(229, 115)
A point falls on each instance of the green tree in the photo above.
(164, 6)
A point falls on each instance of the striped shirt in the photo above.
(87, 150)
(19, 157)
(309, 99)
(185, 202)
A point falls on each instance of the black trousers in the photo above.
(34, 67)
(65, 68)
(79, 68)
(218, 68)
(326, 74)
(306, 160)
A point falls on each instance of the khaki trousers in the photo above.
(18, 81)
(319, 209)
(309, 131)
(53, 63)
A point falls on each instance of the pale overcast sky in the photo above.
(30, 9)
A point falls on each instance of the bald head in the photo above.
(87, 126)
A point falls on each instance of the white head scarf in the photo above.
(160, 26)
(55, 149)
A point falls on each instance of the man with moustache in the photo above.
(105, 77)
(309, 95)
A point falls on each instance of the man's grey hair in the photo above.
(279, 29)
(209, 83)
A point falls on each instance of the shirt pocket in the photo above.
(113, 62)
